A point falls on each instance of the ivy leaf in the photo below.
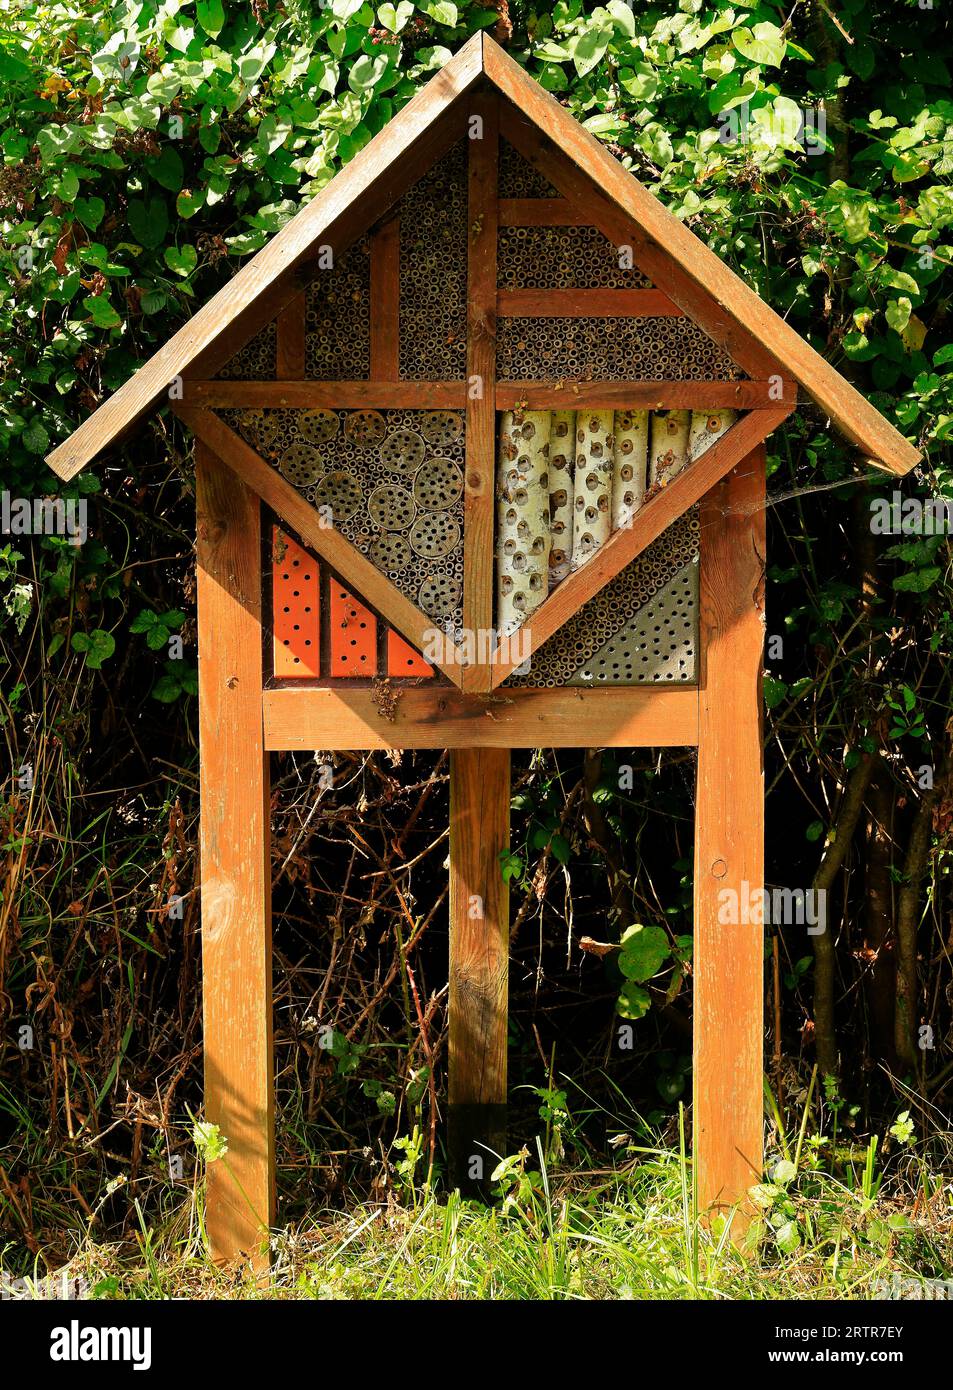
(643, 951)
(97, 645)
(148, 221)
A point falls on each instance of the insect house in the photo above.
(480, 465)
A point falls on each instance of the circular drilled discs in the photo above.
(439, 595)
(341, 492)
(317, 426)
(403, 451)
(301, 464)
(391, 506)
(441, 427)
(260, 426)
(390, 552)
(434, 535)
(365, 427)
(438, 484)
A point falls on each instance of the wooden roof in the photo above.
(693, 275)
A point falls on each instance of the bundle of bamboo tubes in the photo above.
(567, 479)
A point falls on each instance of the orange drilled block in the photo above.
(402, 660)
(353, 635)
(295, 609)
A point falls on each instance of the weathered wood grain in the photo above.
(431, 717)
(235, 863)
(728, 959)
(479, 963)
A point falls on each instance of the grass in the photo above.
(629, 1232)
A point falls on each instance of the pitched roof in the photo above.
(700, 276)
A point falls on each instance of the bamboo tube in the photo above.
(629, 460)
(562, 460)
(523, 537)
(669, 452)
(592, 505)
(706, 427)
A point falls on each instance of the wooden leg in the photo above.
(729, 844)
(479, 959)
(235, 863)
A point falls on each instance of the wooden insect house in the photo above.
(479, 459)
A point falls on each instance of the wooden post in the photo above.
(480, 504)
(235, 862)
(479, 960)
(729, 843)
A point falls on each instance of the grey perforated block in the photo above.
(658, 644)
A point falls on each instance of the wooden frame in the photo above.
(243, 716)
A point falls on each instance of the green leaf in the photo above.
(441, 11)
(917, 581)
(784, 1172)
(211, 16)
(365, 73)
(68, 186)
(643, 951)
(589, 49)
(898, 313)
(97, 645)
(35, 438)
(167, 169)
(144, 621)
(90, 211)
(148, 221)
(101, 311)
(774, 691)
(633, 1001)
(182, 260)
(188, 204)
(395, 17)
(764, 44)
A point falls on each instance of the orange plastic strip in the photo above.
(295, 609)
(402, 660)
(353, 635)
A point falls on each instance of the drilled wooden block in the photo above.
(295, 595)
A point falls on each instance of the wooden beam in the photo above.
(540, 212)
(675, 258)
(585, 304)
(642, 395)
(648, 523)
(290, 344)
(361, 193)
(373, 587)
(479, 961)
(728, 958)
(234, 835)
(385, 302)
(316, 395)
(479, 498)
(349, 718)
